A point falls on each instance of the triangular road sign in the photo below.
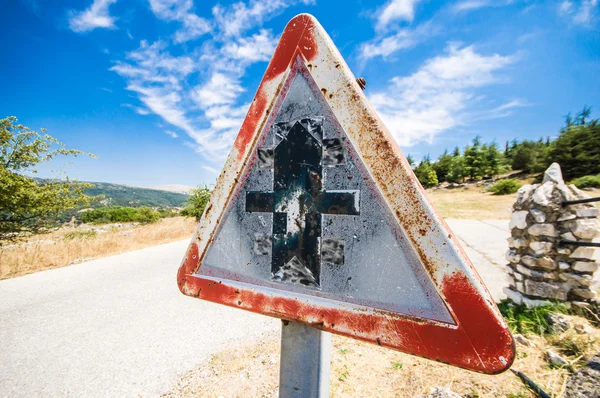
(318, 218)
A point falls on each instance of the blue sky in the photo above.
(158, 88)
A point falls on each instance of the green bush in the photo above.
(146, 215)
(107, 215)
(587, 181)
(196, 203)
(505, 187)
(523, 320)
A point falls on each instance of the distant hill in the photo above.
(179, 188)
(123, 195)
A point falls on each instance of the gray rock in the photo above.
(583, 293)
(585, 266)
(542, 230)
(541, 247)
(516, 243)
(583, 280)
(524, 193)
(520, 339)
(589, 212)
(546, 262)
(534, 262)
(585, 383)
(544, 290)
(532, 303)
(586, 228)
(512, 257)
(535, 274)
(528, 261)
(558, 323)
(564, 250)
(538, 215)
(566, 216)
(583, 329)
(518, 276)
(543, 194)
(583, 252)
(520, 287)
(513, 296)
(553, 174)
(568, 236)
(518, 219)
(555, 359)
(563, 266)
(440, 392)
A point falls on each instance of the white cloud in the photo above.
(441, 95)
(402, 10)
(581, 13)
(137, 109)
(171, 134)
(96, 16)
(239, 17)
(403, 39)
(469, 5)
(192, 26)
(200, 92)
(258, 47)
(219, 90)
(171, 10)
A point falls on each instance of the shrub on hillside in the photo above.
(105, 215)
(505, 187)
(587, 181)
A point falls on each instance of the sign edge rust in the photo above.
(480, 341)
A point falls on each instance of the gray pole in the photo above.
(305, 361)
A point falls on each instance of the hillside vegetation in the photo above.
(126, 196)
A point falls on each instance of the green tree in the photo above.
(577, 148)
(458, 170)
(410, 160)
(531, 156)
(426, 174)
(442, 166)
(27, 205)
(493, 160)
(196, 203)
(475, 159)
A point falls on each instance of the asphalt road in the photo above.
(119, 327)
(114, 327)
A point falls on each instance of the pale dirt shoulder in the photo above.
(74, 245)
(365, 370)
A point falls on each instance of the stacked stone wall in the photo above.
(541, 268)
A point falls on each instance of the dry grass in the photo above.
(68, 246)
(471, 203)
(365, 370)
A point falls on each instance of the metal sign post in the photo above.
(317, 218)
(305, 361)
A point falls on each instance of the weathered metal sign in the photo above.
(318, 218)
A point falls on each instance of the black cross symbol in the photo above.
(297, 202)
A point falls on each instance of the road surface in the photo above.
(119, 327)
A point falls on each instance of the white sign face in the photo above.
(307, 217)
(318, 218)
